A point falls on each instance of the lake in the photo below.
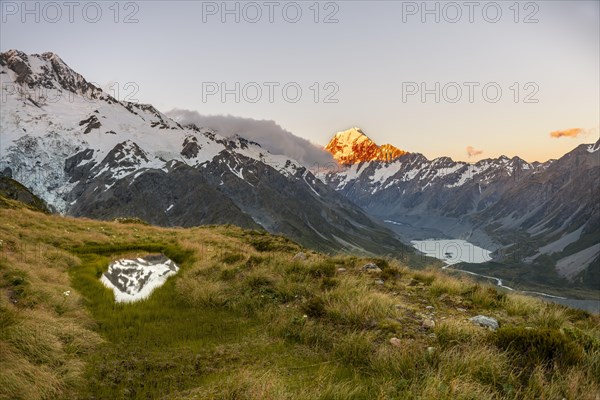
(452, 251)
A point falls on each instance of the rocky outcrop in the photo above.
(12, 189)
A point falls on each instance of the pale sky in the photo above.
(178, 54)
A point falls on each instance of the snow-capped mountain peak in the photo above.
(352, 135)
(352, 146)
(47, 73)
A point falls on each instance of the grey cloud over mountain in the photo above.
(267, 133)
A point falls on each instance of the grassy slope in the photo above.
(243, 320)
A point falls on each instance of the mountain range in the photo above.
(540, 219)
(86, 153)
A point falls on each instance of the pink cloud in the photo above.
(472, 152)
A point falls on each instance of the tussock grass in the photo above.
(355, 304)
(444, 284)
(244, 320)
(455, 332)
(209, 294)
(550, 316)
(426, 277)
(436, 387)
(521, 305)
(485, 296)
(485, 365)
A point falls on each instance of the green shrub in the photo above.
(228, 274)
(232, 258)
(380, 262)
(390, 272)
(532, 347)
(314, 307)
(254, 261)
(322, 269)
(329, 283)
(259, 283)
(273, 243)
(18, 286)
(589, 342)
(575, 314)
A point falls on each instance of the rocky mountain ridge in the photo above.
(88, 154)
